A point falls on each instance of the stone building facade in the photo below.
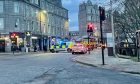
(89, 13)
(42, 18)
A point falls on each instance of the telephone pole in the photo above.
(112, 27)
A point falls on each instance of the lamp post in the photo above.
(112, 27)
(66, 27)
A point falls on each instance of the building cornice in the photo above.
(26, 1)
(57, 5)
(58, 15)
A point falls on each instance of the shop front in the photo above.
(40, 42)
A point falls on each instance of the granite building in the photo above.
(42, 18)
(89, 13)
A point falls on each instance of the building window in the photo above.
(32, 13)
(1, 24)
(36, 2)
(89, 9)
(16, 7)
(89, 18)
(17, 24)
(27, 12)
(1, 6)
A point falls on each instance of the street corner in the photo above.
(122, 65)
(84, 60)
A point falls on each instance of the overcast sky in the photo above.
(73, 6)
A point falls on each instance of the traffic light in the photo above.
(90, 27)
(102, 13)
(28, 33)
(13, 34)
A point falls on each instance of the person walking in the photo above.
(35, 48)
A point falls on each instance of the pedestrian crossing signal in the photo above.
(102, 13)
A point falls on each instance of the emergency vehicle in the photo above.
(92, 42)
(60, 44)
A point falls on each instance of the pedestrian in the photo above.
(13, 48)
(35, 48)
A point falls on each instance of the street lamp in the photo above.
(66, 26)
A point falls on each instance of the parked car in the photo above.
(79, 48)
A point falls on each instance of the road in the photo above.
(57, 68)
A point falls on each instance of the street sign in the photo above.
(109, 40)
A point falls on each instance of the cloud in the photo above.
(73, 17)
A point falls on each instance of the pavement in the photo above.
(113, 63)
(20, 53)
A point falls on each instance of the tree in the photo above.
(126, 18)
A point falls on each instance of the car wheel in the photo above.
(52, 51)
(57, 51)
(69, 50)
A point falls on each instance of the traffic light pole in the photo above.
(88, 43)
(103, 62)
(102, 18)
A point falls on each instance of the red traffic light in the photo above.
(90, 27)
(13, 34)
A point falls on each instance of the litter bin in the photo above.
(110, 51)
